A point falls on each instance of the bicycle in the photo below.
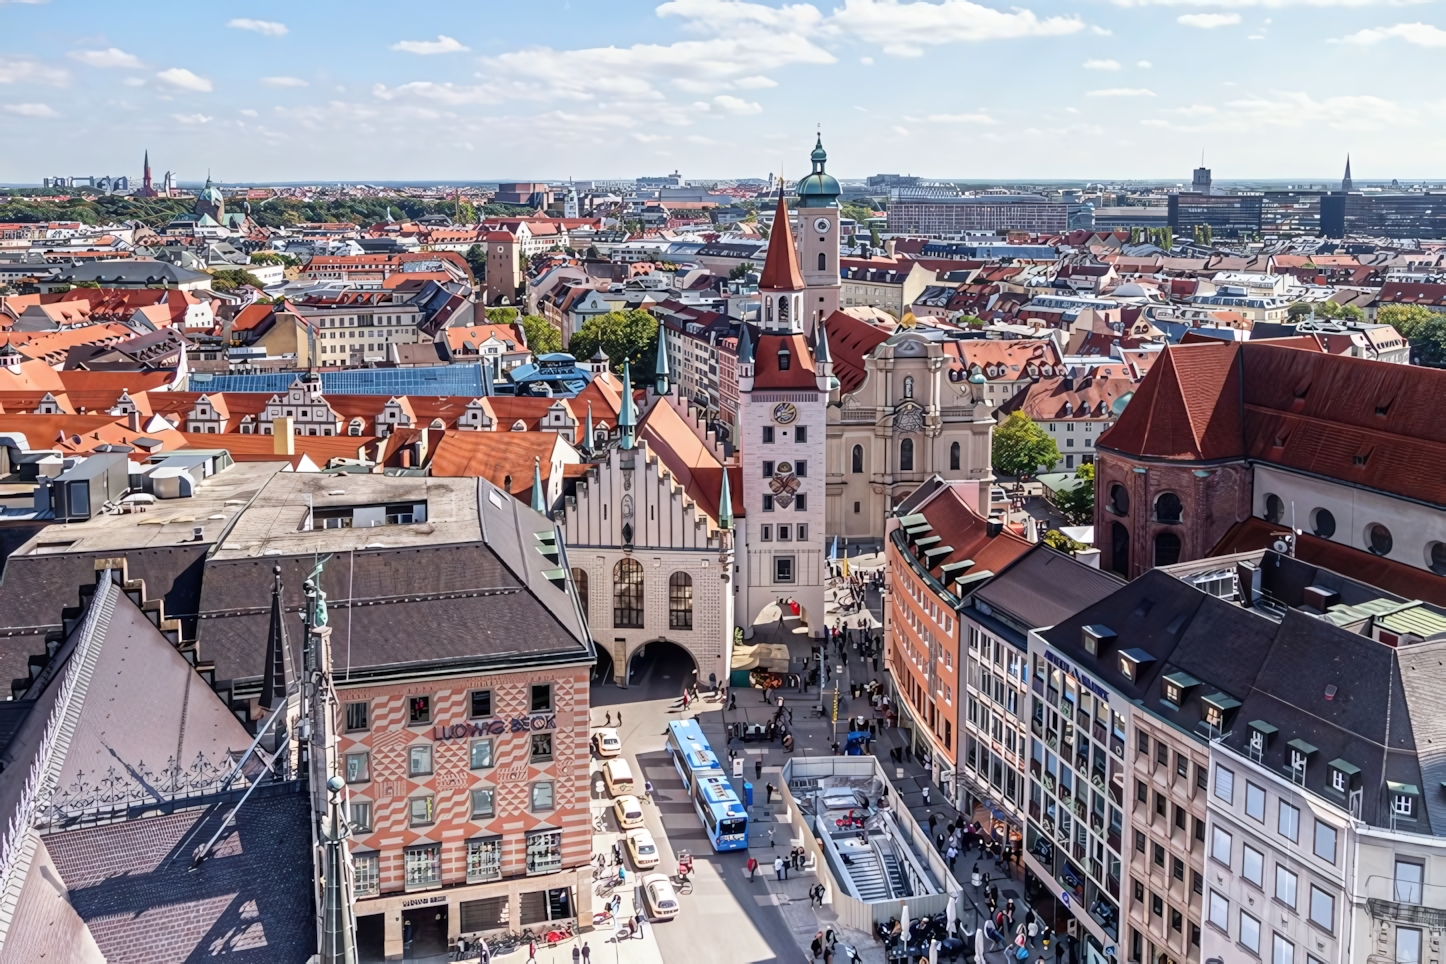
(607, 885)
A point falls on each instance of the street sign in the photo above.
(738, 766)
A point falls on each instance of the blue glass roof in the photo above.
(468, 380)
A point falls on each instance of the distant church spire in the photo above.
(1346, 185)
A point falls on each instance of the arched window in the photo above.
(822, 261)
(628, 594)
(1119, 500)
(783, 310)
(906, 455)
(1168, 509)
(1274, 508)
(1119, 549)
(909, 386)
(680, 601)
(1167, 549)
(354, 427)
(858, 458)
(954, 457)
(767, 310)
(579, 579)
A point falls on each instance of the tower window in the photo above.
(784, 358)
(783, 312)
(954, 457)
(858, 458)
(822, 261)
(906, 455)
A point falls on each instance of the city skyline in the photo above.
(724, 89)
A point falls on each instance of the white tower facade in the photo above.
(783, 401)
(818, 240)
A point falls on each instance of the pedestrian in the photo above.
(751, 867)
(576, 954)
(620, 717)
(816, 945)
(685, 699)
(770, 838)
(531, 951)
(778, 868)
(769, 789)
(926, 794)
(586, 953)
(933, 819)
(1032, 928)
(758, 769)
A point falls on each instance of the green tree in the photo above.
(874, 240)
(1428, 343)
(501, 316)
(740, 271)
(1405, 318)
(275, 257)
(1021, 447)
(1299, 310)
(1058, 540)
(229, 279)
(542, 337)
(631, 335)
(476, 258)
(970, 321)
(1078, 504)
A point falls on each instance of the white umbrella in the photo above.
(933, 952)
(904, 913)
(951, 912)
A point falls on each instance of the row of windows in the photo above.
(785, 532)
(800, 434)
(628, 596)
(906, 457)
(1377, 537)
(422, 864)
(800, 502)
(1248, 928)
(419, 708)
(1287, 820)
(1160, 908)
(421, 808)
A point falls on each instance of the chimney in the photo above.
(1247, 578)
(283, 441)
(889, 247)
(994, 526)
(133, 420)
(406, 454)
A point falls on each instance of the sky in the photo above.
(470, 91)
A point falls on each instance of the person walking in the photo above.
(620, 717)
(586, 953)
(576, 954)
(926, 794)
(1032, 929)
(758, 769)
(778, 866)
(816, 945)
(531, 951)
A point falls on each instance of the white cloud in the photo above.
(1121, 92)
(134, 82)
(192, 118)
(1093, 64)
(1143, 64)
(737, 105)
(248, 112)
(1277, 110)
(755, 83)
(442, 45)
(283, 82)
(1208, 21)
(1420, 34)
(267, 28)
(901, 131)
(905, 28)
(866, 61)
(27, 70)
(184, 79)
(650, 138)
(110, 57)
(1269, 4)
(979, 118)
(31, 110)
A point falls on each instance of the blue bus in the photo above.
(690, 752)
(723, 816)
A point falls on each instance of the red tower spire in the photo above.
(780, 270)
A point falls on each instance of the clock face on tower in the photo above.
(784, 412)
(821, 225)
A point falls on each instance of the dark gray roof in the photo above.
(1016, 593)
(128, 271)
(133, 885)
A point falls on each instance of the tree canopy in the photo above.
(1333, 310)
(1428, 342)
(1405, 318)
(1058, 540)
(1021, 447)
(542, 337)
(1078, 504)
(631, 335)
(229, 279)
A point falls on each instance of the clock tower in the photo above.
(783, 386)
(818, 239)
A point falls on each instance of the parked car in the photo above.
(642, 849)
(628, 811)
(605, 743)
(658, 896)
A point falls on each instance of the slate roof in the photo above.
(1015, 592)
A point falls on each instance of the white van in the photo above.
(619, 777)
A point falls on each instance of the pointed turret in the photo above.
(780, 271)
(1346, 184)
(823, 361)
(273, 682)
(660, 370)
(725, 503)
(539, 504)
(587, 440)
(627, 416)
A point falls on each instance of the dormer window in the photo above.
(1131, 662)
(1343, 776)
(1176, 685)
(1298, 753)
(1217, 706)
(1403, 799)
(1095, 638)
(784, 358)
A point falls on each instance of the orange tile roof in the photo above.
(801, 371)
(1185, 408)
(956, 522)
(850, 339)
(780, 268)
(502, 458)
(262, 448)
(695, 466)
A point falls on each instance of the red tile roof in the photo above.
(850, 339)
(1187, 407)
(800, 373)
(780, 270)
(956, 523)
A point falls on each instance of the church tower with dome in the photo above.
(784, 382)
(818, 240)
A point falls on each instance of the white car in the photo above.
(629, 812)
(662, 903)
(606, 743)
(642, 849)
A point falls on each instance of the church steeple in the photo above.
(660, 370)
(781, 286)
(1346, 185)
(627, 416)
